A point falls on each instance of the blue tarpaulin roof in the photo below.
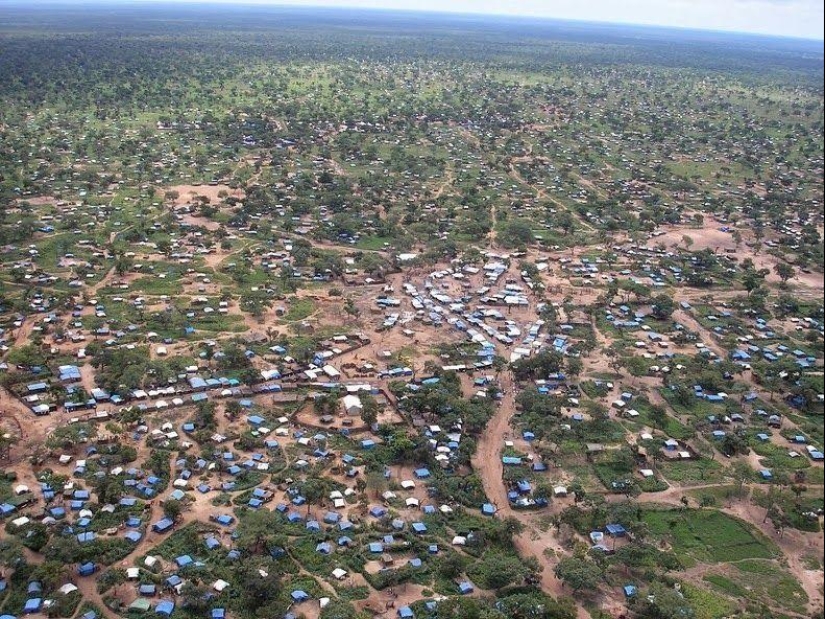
(132, 536)
(32, 605)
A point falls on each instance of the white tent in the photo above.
(352, 404)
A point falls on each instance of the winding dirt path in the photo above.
(487, 463)
(707, 337)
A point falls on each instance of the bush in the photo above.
(497, 570)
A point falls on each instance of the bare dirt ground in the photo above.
(719, 241)
(196, 220)
(39, 200)
(187, 193)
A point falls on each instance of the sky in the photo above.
(793, 18)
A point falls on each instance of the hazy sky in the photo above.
(796, 18)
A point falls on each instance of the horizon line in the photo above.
(325, 4)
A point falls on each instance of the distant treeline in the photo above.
(47, 47)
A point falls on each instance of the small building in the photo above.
(353, 405)
(163, 525)
(32, 606)
(299, 596)
(594, 448)
(86, 569)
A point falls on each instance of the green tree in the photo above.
(574, 366)
(784, 271)
(663, 306)
(172, 509)
(260, 589)
(195, 598)
(69, 436)
(258, 531)
(538, 366)
(51, 574)
(369, 409)
(658, 415)
(27, 356)
(536, 606)
(123, 265)
(315, 489)
(753, 279)
(339, 609)
(11, 552)
(109, 489)
(376, 482)
(466, 608)
(733, 444)
(515, 233)
(497, 570)
(578, 574)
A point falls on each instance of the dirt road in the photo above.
(487, 463)
(708, 338)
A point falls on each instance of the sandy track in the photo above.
(487, 463)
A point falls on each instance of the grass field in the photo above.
(761, 581)
(706, 603)
(692, 471)
(709, 536)
(299, 309)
